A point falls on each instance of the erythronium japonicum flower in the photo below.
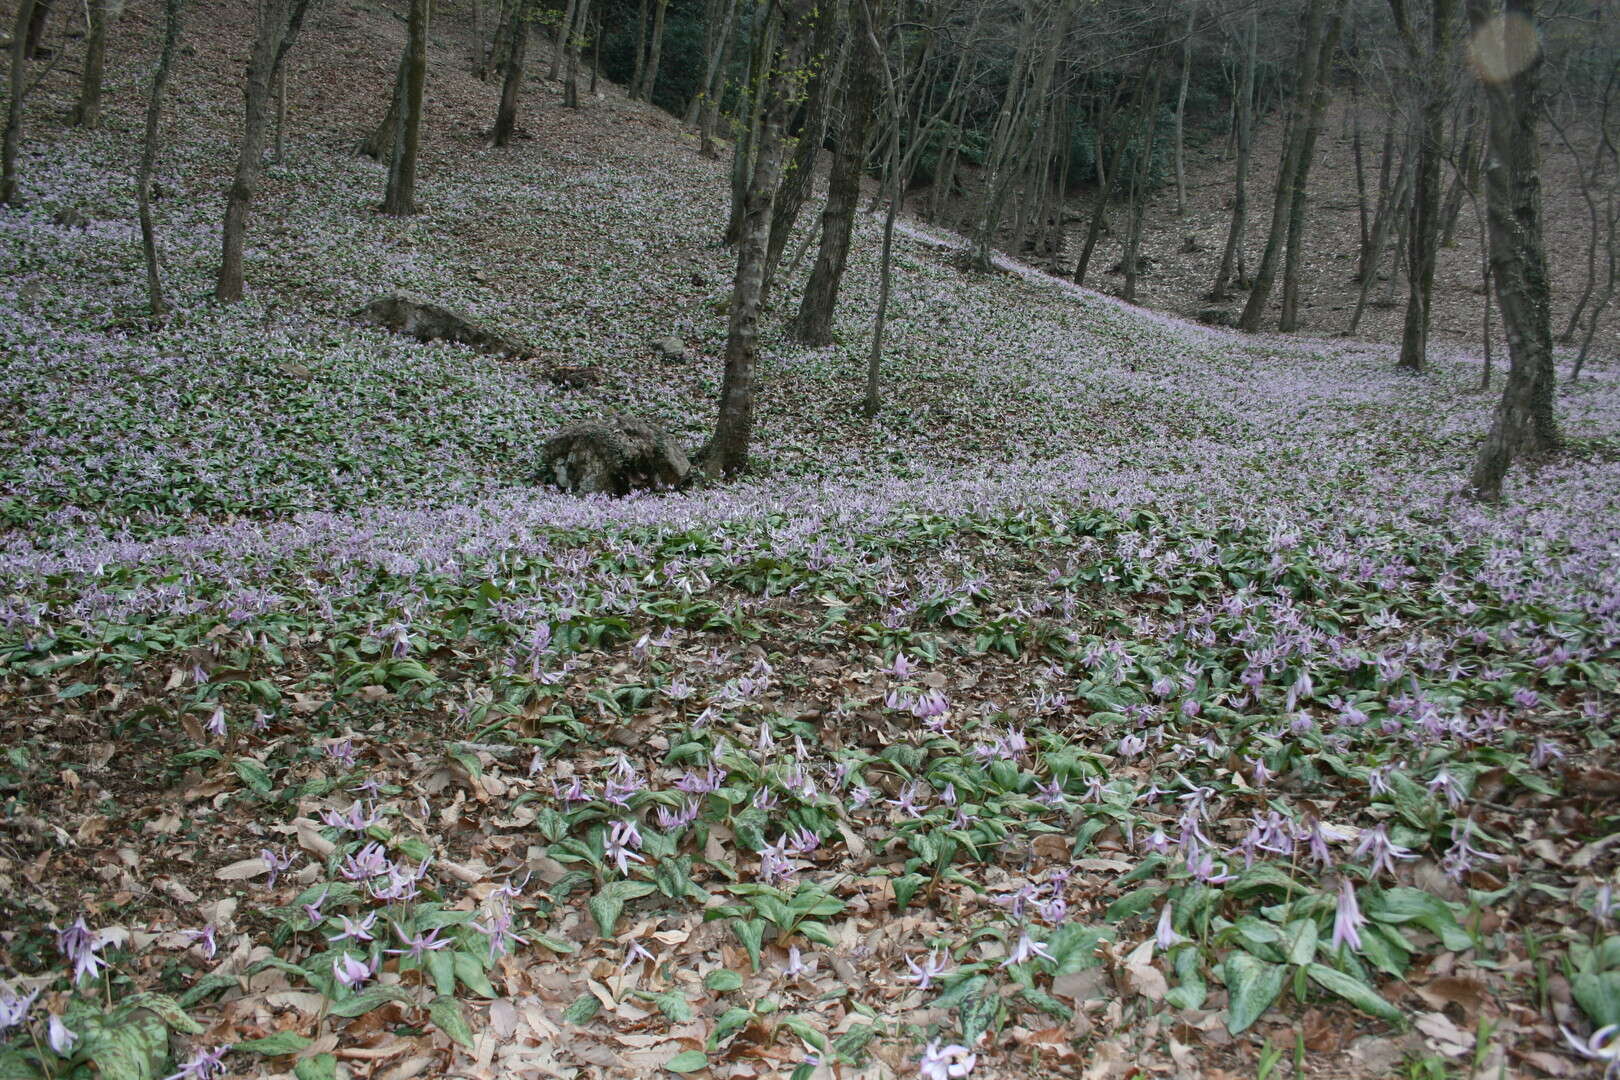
(61, 1039)
(1347, 918)
(13, 1007)
(351, 972)
(205, 1063)
(946, 1062)
(1602, 1045)
(1026, 949)
(923, 974)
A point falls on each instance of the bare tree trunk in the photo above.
(380, 143)
(1181, 109)
(565, 30)
(872, 399)
(641, 52)
(799, 179)
(1014, 104)
(571, 78)
(746, 144)
(1467, 169)
(649, 79)
(714, 83)
(726, 454)
(512, 83)
(1243, 133)
(813, 326)
(1294, 249)
(1321, 31)
(278, 25)
(399, 198)
(279, 149)
(1508, 57)
(1137, 205)
(1423, 231)
(87, 110)
(38, 18)
(1105, 185)
(149, 152)
(17, 91)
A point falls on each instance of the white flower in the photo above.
(944, 1063)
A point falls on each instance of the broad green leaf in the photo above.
(446, 1013)
(1251, 985)
(441, 964)
(205, 986)
(1355, 992)
(751, 932)
(732, 1020)
(723, 981)
(977, 1013)
(471, 973)
(582, 1010)
(132, 1046)
(1301, 941)
(167, 1008)
(319, 1067)
(687, 1061)
(1598, 995)
(282, 1042)
(252, 774)
(672, 1003)
(368, 999)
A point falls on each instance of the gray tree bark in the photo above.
(399, 198)
(149, 152)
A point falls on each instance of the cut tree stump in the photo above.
(614, 457)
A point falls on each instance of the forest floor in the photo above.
(1127, 698)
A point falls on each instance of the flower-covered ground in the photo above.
(1127, 698)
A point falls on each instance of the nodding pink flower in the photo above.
(356, 819)
(795, 965)
(634, 952)
(946, 1062)
(417, 945)
(619, 793)
(1444, 784)
(1603, 904)
(1544, 751)
(342, 752)
(204, 938)
(1132, 745)
(1165, 934)
(216, 722)
(61, 1040)
(14, 1007)
(312, 910)
(574, 793)
(354, 929)
(1376, 845)
(80, 946)
(906, 803)
(1378, 781)
(802, 842)
(351, 972)
(623, 836)
(205, 1063)
(1050, 794)
(499, 931)
(1459, 860)
(1262, 774)
(1026, 949)
(1157, 842)
(902, 666)
(923, 974)
(1347, 918)
(369, 862)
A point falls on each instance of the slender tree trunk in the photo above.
(726, 454)
(1138, 189)
(649, 80)
(1363, 215)
(11, 140)
(38, 18)
(872, 399)
(1321, 32)
(798, 182)
(279, 22)
(1105, 185)
(1389, 210)
(565, 30)
(1423, 230)
(861, 81)
(571, 78)
(1467, 169)
(512, 83)
(746, 144)
(1243, 133)
(714, 83)
(1181, 109)
(87, 110)
(640, 68)
(399, 198)
(278, 150)
(1294, 248)
(380, 143)
(1013, 108)
(1508, 56)
(149, 153)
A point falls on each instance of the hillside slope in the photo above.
(907, 737)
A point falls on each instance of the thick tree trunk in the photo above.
(1508, 58)
(11, 140)
(814, 323)
(149, 152)
(279, 22)
(1243, 135)
(640, 68)
(380, 143)
(87, 110)
(512, 83)
(399, 198)
(726, 454)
